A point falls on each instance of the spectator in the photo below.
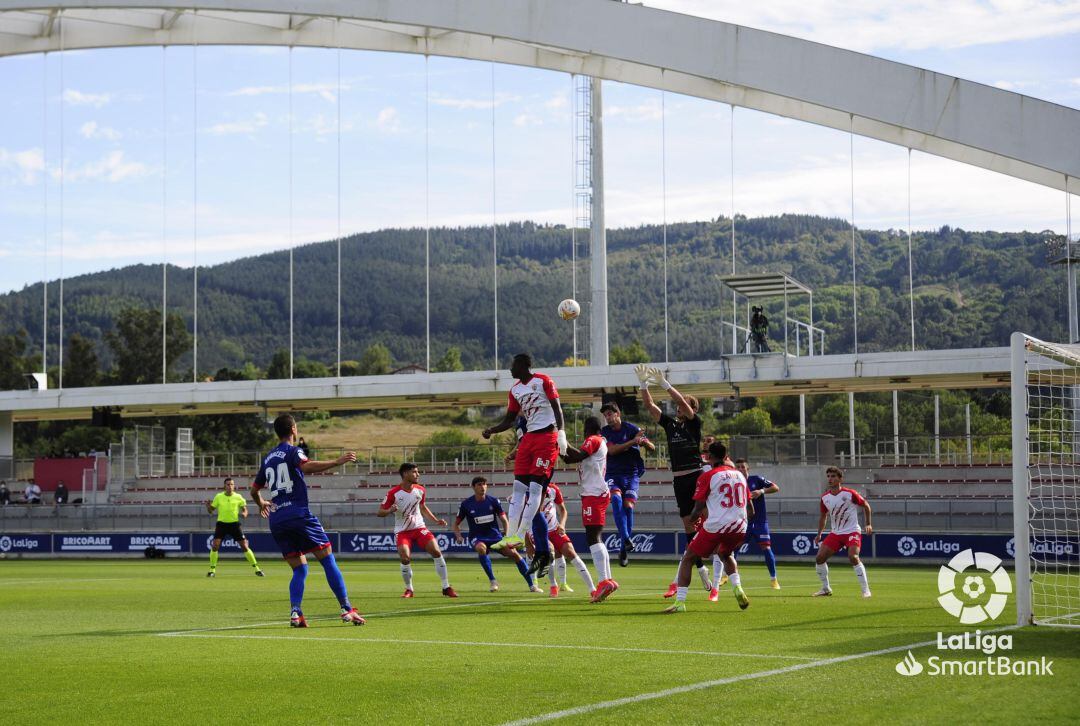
(5, 495)
(302, 445)
(61, 494)
(32, 493)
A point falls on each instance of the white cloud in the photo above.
(26, 164)
(648, 111)
(91, 130)
(244, 126)
(474, 104)
(877, 24)
(77, 98)
(527, 119)
(388, 121)
(326, 91)
(113, 167)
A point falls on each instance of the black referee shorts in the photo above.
(224, 530)
(684, 486)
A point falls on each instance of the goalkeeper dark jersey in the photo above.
(684, 442)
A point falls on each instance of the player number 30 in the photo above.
(733, 496)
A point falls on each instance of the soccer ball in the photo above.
(569, 309)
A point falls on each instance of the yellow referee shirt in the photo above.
(228, 506)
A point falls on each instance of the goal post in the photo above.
(1045, 380)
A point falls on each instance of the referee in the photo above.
(229, 506)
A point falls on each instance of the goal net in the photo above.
(1046, 475)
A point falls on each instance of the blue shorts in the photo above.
(299, 535)
(759, 533)
(626, 486)
(488, 541)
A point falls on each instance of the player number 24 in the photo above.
(279, 480)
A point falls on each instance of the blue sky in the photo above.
(499, 144)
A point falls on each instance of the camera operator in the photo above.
(759, 331)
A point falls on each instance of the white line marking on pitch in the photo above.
(63, 580)
(386, 614)
(486, 644)
(579, 710)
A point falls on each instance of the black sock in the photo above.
(697, 562)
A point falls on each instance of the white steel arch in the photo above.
(1006, 132)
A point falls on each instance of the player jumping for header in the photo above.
(535, 397)
(408, 502)
(295, 529)
(721, 490)
(841, 505)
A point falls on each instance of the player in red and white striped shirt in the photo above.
(722, 491)
(535, 398)
(407, 501)
(841, 505)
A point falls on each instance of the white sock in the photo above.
(553, 576)
(406, 575)
(559, 567)
(601, 561)
(532, 506)
(440, 567)
(734, 579)
(703, 573)
(584, 572)
(717, 570)
(680, 594)
(860, 572)
(517, 503)
(823, 575)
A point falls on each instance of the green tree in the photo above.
(279, 365)
(749, 422)
(13, 364)
(633, 353)
(450, 362)
(80, 363)
(135, 341)
(448, 445)
(375, 361)
(350, 367)
(305, 368)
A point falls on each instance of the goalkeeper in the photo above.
(684, 451)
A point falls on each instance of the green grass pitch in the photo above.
(86, 642)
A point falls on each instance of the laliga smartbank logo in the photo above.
(970, 605)
(974, 588)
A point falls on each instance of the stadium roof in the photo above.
(770, 284)
(975, 124)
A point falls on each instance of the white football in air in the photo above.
(569, 309)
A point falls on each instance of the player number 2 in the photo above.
(279, 480)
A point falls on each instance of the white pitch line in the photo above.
(579, 710)
(63, 580)
(386, 614)
(492, 644)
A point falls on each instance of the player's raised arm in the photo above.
(573, 455)
(317, 467)
(644, 374)
(684, 406)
